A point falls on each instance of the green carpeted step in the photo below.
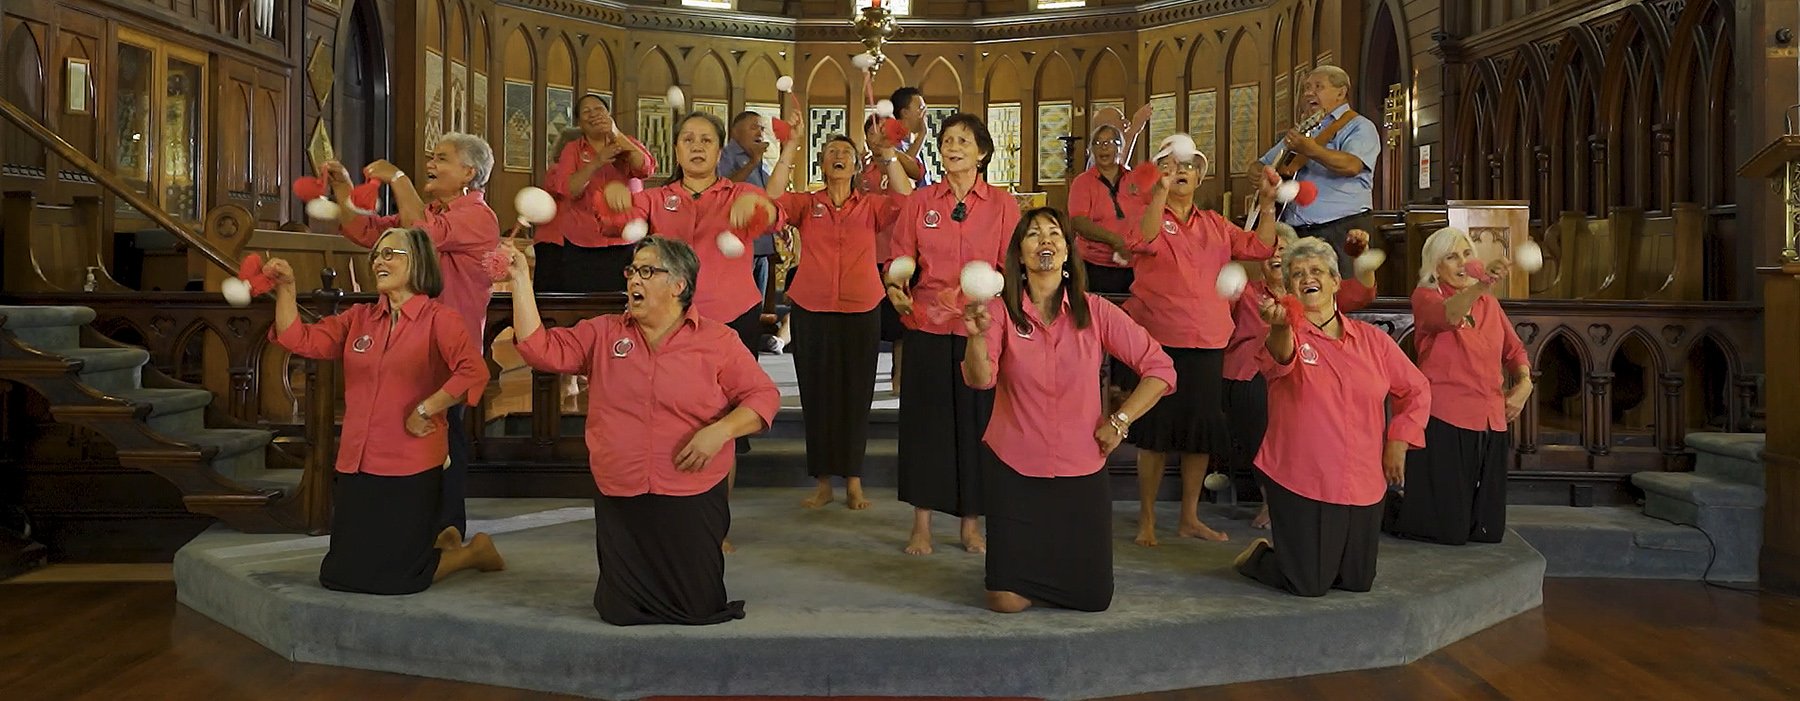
(172, 411)
(240, 449)
(110, 370)
(49, 329)
(1733, 457)
(1610, 541)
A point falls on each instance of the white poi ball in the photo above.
(1370, 260)
(534, 205)
(636, 230)
(884, 108)
(901, 270)
(980, 281)
(1530, 257)
(862, 61)
(1120, 260)
(323, 209)
(1217, 482)
(730, 244)
(1287, 191)
(1232, 280)
(677, 99)
(237, 292)
(785, 83)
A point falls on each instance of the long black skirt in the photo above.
(834, 359)
(572, 268)
(660, 560)
(1192, 420)
(382, 533)
(1050, 538)
(1247, 417)
(1106, 279)
(1455, 488)
(1318, 546)
(892, 329)
(941, 423)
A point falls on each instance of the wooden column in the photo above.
(1780, 562)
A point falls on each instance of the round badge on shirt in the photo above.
(1168, 227)
(931, 219)
(672, 203)
(362, 344)
(1308, 355)
(622, 347)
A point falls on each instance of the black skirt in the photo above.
(567, 267)
(1105, 279)
(892, 329)
(382, 533)
(547, 270)
(660, 560)
(1050, 539)
(834, 360)
(1247, 417)
(1192, 420)
(1455, 488)
(941, 423)
(750, 329)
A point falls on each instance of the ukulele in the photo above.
(1284, 159)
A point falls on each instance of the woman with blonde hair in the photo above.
(1455, 489)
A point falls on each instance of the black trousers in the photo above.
(835, 356)
(1318, 546)
(1337, 231)
(1455, 488)
(451, 511)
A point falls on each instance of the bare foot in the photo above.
(854, 499)
(973, 542)
(1007, 602)
(1196, 529)
(448, 539)
(487, 557)
(1244, 556)
(1146, 534)
(1262, 519)
(820, 497)
(919, 543)
(726, 547)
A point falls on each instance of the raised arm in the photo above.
(565, 350)
(784, 165)
(323, 340)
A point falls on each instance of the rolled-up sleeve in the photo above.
(1245, 245)
(1270, 368)
(1428, 311)
(466, 229)
(649, 161)
(556, 180)
(745, 382)
(320, 341)
(365, 231)
(566, 350)
(1512, 350)
(1354, 295)
(1131, 344)
(1410, 392)
(468, 371)
(996, 345)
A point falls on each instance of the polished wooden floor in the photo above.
(1593, 639)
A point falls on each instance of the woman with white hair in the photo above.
(1246, 393)
(1175, 296)
(1455, 489)
(1323, 468)
(452, 208)
(671, 389)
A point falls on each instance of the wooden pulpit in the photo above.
(1780, 560)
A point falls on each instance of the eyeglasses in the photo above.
(643, 272)
(385, 254)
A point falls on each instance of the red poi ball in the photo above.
(895, 130)
(1309, 192)
(308, 188)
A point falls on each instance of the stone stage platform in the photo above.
(835, 608)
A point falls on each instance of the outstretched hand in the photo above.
(281, 272)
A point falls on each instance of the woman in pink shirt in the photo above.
(1246, 394)
(1324, 465)
(944, 227)
(1041, 343)
(1099, 200)
(696, 207)
(1456, 487)
(875, 180)
(385, 535)
(1175, 294)
(575, 253)
(671, 391)
(835, 289)
(451, 206)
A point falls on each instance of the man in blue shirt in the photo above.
(1342, 166)
(742, 161)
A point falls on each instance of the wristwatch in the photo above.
(420, 410)
(1121, 423)
(398, 174)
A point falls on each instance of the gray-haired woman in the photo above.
(452, 209)
(670, 390)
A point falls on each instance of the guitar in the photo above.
(1284, 159)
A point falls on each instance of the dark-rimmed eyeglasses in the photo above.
(385, 254)
(643, 272)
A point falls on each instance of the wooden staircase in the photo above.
(223, 467)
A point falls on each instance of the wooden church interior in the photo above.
(150, 144)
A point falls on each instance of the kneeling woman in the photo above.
(1041, 344)
(670, 392)
(1323, 459)
(1456, 486)
(407, 358)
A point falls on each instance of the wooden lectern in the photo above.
(1780, 561)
